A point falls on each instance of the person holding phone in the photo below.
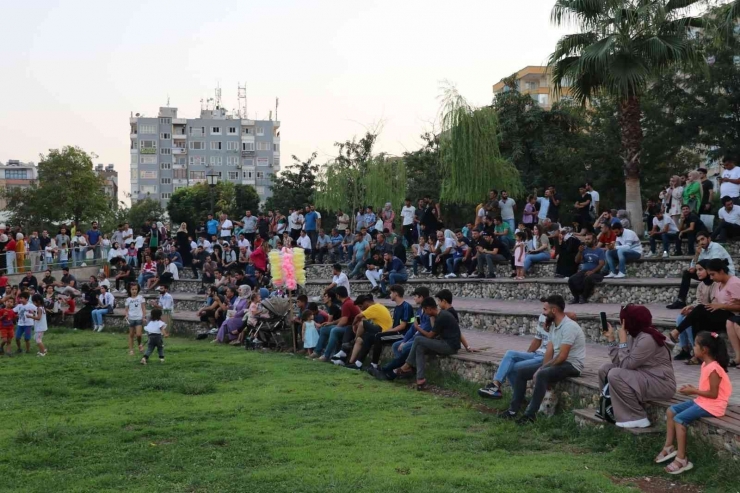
(641, 368)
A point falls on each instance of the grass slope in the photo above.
(89, 418)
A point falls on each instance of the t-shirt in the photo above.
(447, 243)
(693, 217)
(553, 212)
(594, 200)
(310, 221)
(29, 283)
(304, 242)
(212, 227)
(500, 228)
(407, 212)
(335, 311)
(403, 313)
(68, 279)
(7, 316)
(544, 203)
(135, 308)
(605, 238)
(715, 407)
(666, 221)
(379, 315)
(322, 241)
(730, 189)
(295, 220)
(93, 235)
(507, 208)
(341, 280)
(591, 258)
(447, 328)
(226, 228)
(40, 324)
(542, 335)
(731, 216)
(725, 294)
(250, 224)
(631, 240)
(583, 211)
(707, 186)
(342, 222)
(569, 332)
(359, 249)
(23, 311)
(349, 310)
(166, 301)
(155, 327)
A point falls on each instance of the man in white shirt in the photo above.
(663, 227)
(304, 242)
(729, 181)
(594, 198)
(127, 235)
(443, 250)
(628, 247)
(408, 212)
(243, 242)
(729, 220)
(508, 208)
(339, 278)
(342, 221)
(544, 203)
(225, 226)
(295, 223)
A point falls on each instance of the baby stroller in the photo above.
(269, 332)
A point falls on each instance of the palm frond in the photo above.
(595, 58)
(577, 11)
(627, 75)
(680, 4)
(663, 50)
(573, 44)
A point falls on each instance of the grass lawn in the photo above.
(88, 417)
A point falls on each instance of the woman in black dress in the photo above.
(83, 318)
(183, 245)
(567, 249)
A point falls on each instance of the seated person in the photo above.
(591, 261)
(372, 320)
(175, 258)
(422, 255)
(664, 228)
(403, 318)
(199, 259)
(323, 243)
(627, 247)
(345, 253)
(336, 241)
(394, 272)
(729, 221)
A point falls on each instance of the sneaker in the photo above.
(213, 331)
(463, 275)
(313, 356)
(610, 275)
(441, 276)
(339, 355)
(621, 275)
(353, 367)
(676, 305)
(412, 276)
(451, 275)
(338, 362)
(683, 355)
(83, 264)
(506, 414)
(143, 361)
(649, 255)
(490, 392)
(665, 254)
(40, 354)
(323, 359)
(525, 420)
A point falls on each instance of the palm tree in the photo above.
(620, 45)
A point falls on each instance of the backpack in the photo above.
(605, 410)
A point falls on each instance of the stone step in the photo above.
(620, 291)
(732, 247)
(184, 302)
(587, 417)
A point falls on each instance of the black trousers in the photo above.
(582, 285)
(155, 341)
(686, 278)
(725, 230)
(442, 263)
(384, 339)
(703, 319)
(371, 330)
(250, 238)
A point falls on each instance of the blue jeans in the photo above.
(143, 278)
(425, 260)
(685, 338)
(667, 238)
(336, 334)
(97, 315)
(399, 357)
(687, 412)
(393, 278)
(356, 267)
(514, 361)
(620, 255)
(452, 264)
(324, 333)
(534, 258)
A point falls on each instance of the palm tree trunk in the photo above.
(630, 125)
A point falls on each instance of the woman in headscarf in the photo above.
(183, 245)
(388, 217)
(566, 249)
(692, 191)
(234, 324)
(706, 293)
(641, 368)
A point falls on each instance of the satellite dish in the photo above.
(137, 114)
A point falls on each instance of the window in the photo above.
(148, 159)
(275, 147)
(232, 160)
(166, 151)
(165, 136)
(215, 130)
(276, 161)
(182, 160)
(261, 190)
(232, 146)
(260, 130)
(165, 121)
(180, 174)
(165, 166)
(216, 145)
(148, 129)
(246, 131)
(543, 99)
(148, 146)
(233, 175)
(166, 195)
(263, 146)
(215, 160)
(165, 181)
(197, 175)
(148, 189)
(248, 175)
(232, 131)
(197, 145)
(531, 86)
(16, 174)
(248, 162)
(247, 146)
(262, 161)
(260, 175)
(197, 131)
(197, 160)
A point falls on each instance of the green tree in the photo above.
(620, 46)
(295, 186)
(424, 169)
(192, 204)
(144, 210)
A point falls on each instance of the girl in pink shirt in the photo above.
(711, 400)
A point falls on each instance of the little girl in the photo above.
(105, 243)
(711, 401)
(155, 329)
(135, 313)
(39, 323)
(519, 251)
(256, 311)
(309, 334)
(63, 256)
(131, 256)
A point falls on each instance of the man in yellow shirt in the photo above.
(373, 319)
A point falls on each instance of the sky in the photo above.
(72, 72)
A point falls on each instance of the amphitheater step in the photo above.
(587, 417)
(184, 302)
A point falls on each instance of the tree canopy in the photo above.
(191, 204)
(295, 187)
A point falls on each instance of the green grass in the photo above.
(88, 417)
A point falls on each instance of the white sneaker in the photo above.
(665, 254)
(621, 275)
(40, 354)
(441, 276)
(451, 275)
(83, 264)
(609, 275)
(649, 254)
(463, 275)
(411, 276)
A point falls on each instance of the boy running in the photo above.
(7, 316)
(39, 324)
(25, 324)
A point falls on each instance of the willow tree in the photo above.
(470, 157)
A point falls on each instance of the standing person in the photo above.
(707, 192)
(94, 240)
(225, 227)
(45, 241)
(7, 316)
(167, 305)
(38, 315)
(408, 213)
(712, 398)
(544, 205)
(508, 209)
(183, 245)
(295, 223)
(34, 251)
(106, 304)
(672, 197)
(519, 250)
(553, 212)
(134, 317)
(529, 215)
(342, 221)
(155, 329)
(388, 216)
(211, 227)
(309, 334)
(10, 253)
(25, 323)
(594, 199)
(729, 180)
(249, 226)
(692, 191)
(583, 208)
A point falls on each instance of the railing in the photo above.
(38, 261)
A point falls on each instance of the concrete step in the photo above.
(587, 417)
(184, 302)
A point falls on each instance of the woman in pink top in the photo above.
(711, 400)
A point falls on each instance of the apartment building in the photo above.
(15, 174)
(535, 81)
(168, 153)
(110, 182)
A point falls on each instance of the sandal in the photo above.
(679, 466)
(693, 362)
(421, 384)
(666, 454)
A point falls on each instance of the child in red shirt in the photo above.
(7, 325)
(3, 283)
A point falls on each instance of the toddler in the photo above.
(155, 329)
(63, 256)
(519, 250)
(309, 333)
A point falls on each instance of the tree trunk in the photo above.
(631, 128)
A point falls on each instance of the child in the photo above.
(3, 283)
(49, 254)
(63, 256)
(131, 255)
(309, 333)
(7, 316)
(25, 324)
(166, 304)
(256, 311)
(711, 401)
(105, 243)
(155, 329)
(519, 251)
(135, 313)
(39, 324)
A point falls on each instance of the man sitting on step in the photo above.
(372, 320)
(591, 261)
(564, 358)
(707, 250)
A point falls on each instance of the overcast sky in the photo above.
(71, 72)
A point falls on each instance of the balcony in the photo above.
(248, 153)
(179, 150)
(179, 136)
(148, 150)
(134, 150)
(179, 166)
(134, 135)
(195, 181)
(179, 181)
(249, 182)
(179, 121)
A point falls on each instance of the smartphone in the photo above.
(604, 327)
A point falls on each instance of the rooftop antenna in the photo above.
(218, 96)
(242, 95)
(201, 105)
(168, 100)
(277, 102)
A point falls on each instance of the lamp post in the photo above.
(212, 180)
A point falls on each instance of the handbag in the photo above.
(605, 410)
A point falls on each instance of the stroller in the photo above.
(270, 332)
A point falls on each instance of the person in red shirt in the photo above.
(259, 257)
(3, 283)
(340, 327)
(7, 318)
(606, 236)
